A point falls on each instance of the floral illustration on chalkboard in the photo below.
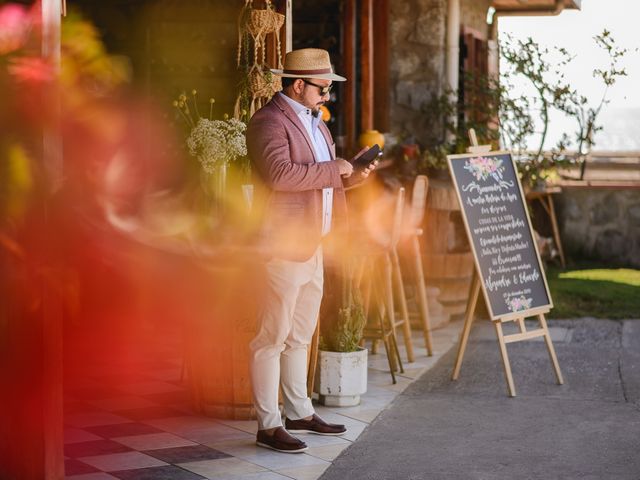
(517, 304)
(484, 167)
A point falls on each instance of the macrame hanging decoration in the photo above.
(253, 27)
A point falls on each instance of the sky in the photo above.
(574, 30)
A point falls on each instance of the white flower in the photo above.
(217, 142)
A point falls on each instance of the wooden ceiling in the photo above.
(526, 5)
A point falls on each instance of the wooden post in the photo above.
(52, 336)
(349, 69)
(366, 65)
(381, 82)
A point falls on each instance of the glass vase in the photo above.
(214, 185)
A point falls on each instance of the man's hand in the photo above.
(364, 172)
(372, 166)
(345, 168)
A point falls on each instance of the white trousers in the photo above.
(285, 328)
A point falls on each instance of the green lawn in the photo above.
(594, 292)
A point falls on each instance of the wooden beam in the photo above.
(381, 85)
(52, 335)
(366, 65)
(349, 68)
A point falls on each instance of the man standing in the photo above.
(294, 157)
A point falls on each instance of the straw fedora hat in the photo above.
(308, 63)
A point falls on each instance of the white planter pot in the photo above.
(341, 377)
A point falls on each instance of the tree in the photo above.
(544, 69)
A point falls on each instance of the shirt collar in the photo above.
(298, 107)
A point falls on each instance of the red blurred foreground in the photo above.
(103, 262)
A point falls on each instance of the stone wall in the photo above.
(601, 224)
(473, 14)
(418, 56)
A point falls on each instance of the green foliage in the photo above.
(344, 332)
(449, 123)
(347, 332)
(482, 100)
(434, 157)
(536, 171)
(543, 68)
(435, 146)
(498, 115)
(528, 59)
(577, 106)
(595, 292)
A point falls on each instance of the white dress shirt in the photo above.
(321, 151)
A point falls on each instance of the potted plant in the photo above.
(341, 374)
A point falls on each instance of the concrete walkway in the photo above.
(141, 425)
(588, 428)
(252, 462)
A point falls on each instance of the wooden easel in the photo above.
(524, 334)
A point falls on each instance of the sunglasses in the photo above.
(323, 90)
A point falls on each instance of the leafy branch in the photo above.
(577, 106)
(527, 58)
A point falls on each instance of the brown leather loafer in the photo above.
(280, 441)
(315, 425)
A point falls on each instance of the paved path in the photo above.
(588, 428)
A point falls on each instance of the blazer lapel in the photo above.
(291, 115)
(327, 137)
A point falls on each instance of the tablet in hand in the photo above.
(368, 157)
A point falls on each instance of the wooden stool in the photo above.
(412, 231)
(380, 328)
(393, 274)
(385, 265)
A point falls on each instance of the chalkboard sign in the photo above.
(500, 233)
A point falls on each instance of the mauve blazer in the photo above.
(289, 183)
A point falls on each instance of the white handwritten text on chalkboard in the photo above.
(499, 230)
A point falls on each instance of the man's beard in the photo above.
(316, 110)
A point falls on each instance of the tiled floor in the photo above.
(142, 428)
